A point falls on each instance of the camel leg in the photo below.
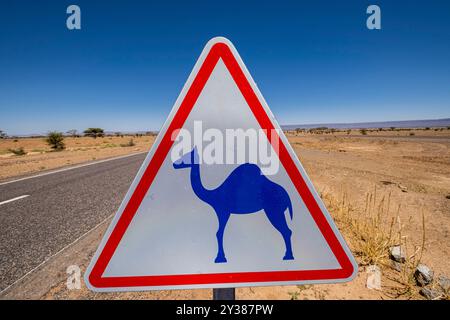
(278, 220)
(223, 219)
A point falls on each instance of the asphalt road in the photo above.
(56, 209)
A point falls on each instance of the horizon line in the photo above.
(337, 125)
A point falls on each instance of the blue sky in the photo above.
(315, 61)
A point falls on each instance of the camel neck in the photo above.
(197, 185)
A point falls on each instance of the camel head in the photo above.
(187, 160)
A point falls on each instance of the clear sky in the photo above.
(314, 61)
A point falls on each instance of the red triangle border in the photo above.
(218, 50)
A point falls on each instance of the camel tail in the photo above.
(290, 208)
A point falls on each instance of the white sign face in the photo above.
(221, 199)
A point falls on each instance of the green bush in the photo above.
(56, 140)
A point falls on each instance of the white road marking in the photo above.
(80, 237)
(55, 254)
(14, 199)
(71, 168)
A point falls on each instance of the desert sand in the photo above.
(382, 188)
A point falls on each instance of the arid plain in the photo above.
(383, 188)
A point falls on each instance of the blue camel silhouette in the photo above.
(246, 190)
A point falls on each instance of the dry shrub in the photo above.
(130, 143)
(18, 152)
(372, 231)
(413, 252)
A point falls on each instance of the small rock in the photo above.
(398, 254)
(396, 266)
(423, 275)
(430, 294)
(444, 282)
(374, 277)
(403, 188)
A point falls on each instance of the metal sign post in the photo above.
(224, 294)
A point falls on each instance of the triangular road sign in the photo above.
(190, 223)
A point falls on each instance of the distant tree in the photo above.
(94, 132)
(3, 134)
(56, 140)
(118, 134)
(392, 128)
(363, 132)
(73, 133)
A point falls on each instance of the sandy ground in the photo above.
(413, 169)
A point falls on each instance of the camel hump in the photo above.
(245, 174)
(247, 170)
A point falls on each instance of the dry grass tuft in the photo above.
(413, 252)
(372, 232)
(18, 151)
(371, 229)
